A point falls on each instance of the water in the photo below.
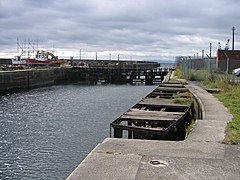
(45, 133)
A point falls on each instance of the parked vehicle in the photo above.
(237, 72)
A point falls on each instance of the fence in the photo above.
(205, 68)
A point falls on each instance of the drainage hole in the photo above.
(158, 163)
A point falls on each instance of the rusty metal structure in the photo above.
(117, 74)
(158, 116)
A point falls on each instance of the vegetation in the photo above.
(229, 95)
(183, 98)
(190, 127)
(197, 77)
(181, 81)
(178, 72)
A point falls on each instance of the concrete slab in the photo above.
(184, 168)
(232, 161)
(164, 148)
(107, 165)
(222, 116)
(208, 130)
(130, 159)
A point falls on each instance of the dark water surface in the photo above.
(45, 133)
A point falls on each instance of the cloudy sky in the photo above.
(143, 29)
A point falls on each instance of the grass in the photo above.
(178, 72)
(229, 96)
(190, 127)
(183, 98)
(181, 81)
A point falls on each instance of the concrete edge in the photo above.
(72, 175)
(167, 77)
(199, 101)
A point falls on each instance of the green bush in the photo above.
(196, 76)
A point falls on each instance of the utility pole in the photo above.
(28, 47)
(233, 29)
(96, 56)
(210, 53)
(37, 44)
(209, 64)
(190, 59)
(118, 64)
(80, 54)
(203, 54)
(17, 48)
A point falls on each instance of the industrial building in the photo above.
(227, 60)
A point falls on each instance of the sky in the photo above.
(132, 29)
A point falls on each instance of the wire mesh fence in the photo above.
(204, 69)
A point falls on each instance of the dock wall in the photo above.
(28, 79)
(13, 78)
(33, 78)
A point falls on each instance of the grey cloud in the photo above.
(169, 28)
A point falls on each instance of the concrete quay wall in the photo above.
(30, 78)
(33, 78)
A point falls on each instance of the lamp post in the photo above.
(184, 66)
(80, 54)
(190, 59)
(233, 29)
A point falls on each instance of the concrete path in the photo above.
(200, 156)
(215, 117)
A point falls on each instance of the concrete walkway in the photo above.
(215, 117)
(200, 156)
